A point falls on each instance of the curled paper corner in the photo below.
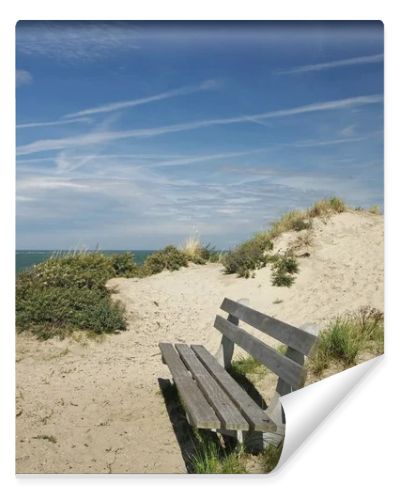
(308, 407)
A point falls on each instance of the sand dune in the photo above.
(100, 401)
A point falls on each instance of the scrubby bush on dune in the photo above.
(283, 268)
(249, 256)
(67, 293)
(169, 258)
(124, 265)
(347, 337)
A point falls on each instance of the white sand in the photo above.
(101, 401)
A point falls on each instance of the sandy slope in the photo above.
(101, 400)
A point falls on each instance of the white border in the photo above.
(351, 453)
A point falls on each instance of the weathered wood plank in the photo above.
(287, 334)
(230, 416)
(200, 413)
(257, 418)
(291, 372)
(282, 387)
(226, 348)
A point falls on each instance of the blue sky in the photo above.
(137, 135)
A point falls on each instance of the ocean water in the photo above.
(24, 259)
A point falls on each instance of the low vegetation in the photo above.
(68, 293)
(169, 258)
(249, 256)
(198, 253)
(247, 366)
(256, 252)
(283, 268)
(211, 458)
(343, 341)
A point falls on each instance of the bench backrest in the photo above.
(289, 366)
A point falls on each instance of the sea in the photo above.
(24, 259)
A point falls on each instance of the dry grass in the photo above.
(192, 247)
(375, 209)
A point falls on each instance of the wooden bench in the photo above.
(214, 400)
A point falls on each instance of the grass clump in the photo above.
(169, 258)
(247, 366)
(347, 337)
(249, 256)
(270, 457)
(296, 220)
(375, 209)
(327, 207)
(211, 458)
(283, 268)
(198, 253)
(69, 293)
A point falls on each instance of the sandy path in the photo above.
(101, 400)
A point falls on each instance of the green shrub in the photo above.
(346, 337)
(124, 264)
(283, 268)
(249, 256)
(67, 293)
(169, 258)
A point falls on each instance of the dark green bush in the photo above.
(67, 293)
(124, 264)
(169, 258)
(249, 256)
(283, 268)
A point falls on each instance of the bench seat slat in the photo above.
(230, 416)
(291, 372)
(200, 413)
(287, 334)
(257, 418)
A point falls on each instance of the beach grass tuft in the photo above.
(343, 340)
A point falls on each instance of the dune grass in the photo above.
(256, 252)
(197, 252)
(346, 338)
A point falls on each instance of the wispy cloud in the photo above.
(74, 40)
(332, 64)
(102, 137)
(53, 123)
(329, 142)
(22, 77)
(114, 106)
